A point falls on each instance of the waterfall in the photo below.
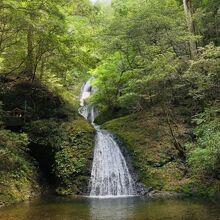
(110, 175)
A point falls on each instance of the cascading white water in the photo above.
(110, 175)
(87, 111)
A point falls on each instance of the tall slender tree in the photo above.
(189, 17)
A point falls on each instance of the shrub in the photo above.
(204, 157)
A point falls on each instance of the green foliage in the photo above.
(207, 20)
(72, 161)
(203, 76)
(13, 154)
(68, 163)
(108, 79)
(141, 52)
(146, 62)
(46, 39)
(46, 132)
(145, 54)
(150, 148)
(50, 41)
(71, 164)
(67, 146)
(204, 156)
(18, 171)
(9, 138)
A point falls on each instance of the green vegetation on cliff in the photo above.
(19, 173)
(64, 151)
(151, 148)
(156, 65)
(54, 146)
(45, 52)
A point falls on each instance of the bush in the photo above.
(13, 156)
(72, 163)
(204, 157)
(46, 132)
(204, 76)
(18, 171)
(64, 152)
(13, 141)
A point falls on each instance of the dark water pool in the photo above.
(112, 209)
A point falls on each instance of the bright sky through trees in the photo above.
(107, 2)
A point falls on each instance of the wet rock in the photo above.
(164, 195)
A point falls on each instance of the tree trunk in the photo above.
(42, 69)
(30, 52)
(177, 145)
(188, 11)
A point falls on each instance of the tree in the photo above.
(207, 20)
(188, 8)
(147, 40)
(49, 37)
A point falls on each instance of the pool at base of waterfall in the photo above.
(131, 208)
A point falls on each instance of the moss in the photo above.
(15, 190)
(82, 125)
(150, 145)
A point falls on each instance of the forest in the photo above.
(155, 69)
